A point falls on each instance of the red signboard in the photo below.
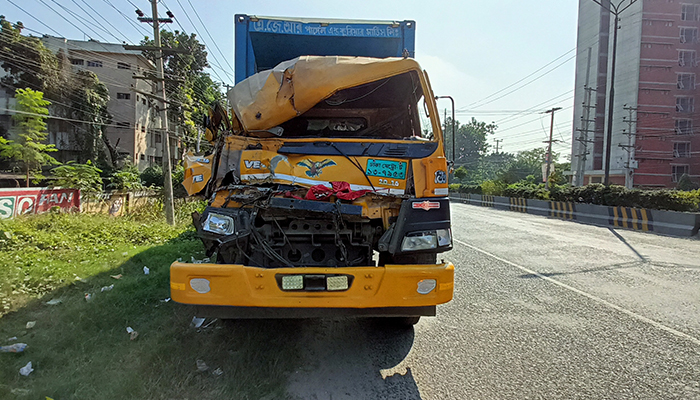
(15, 202)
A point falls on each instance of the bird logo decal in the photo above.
(315, 167)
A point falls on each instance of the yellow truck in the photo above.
(327, 196)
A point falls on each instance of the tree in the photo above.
(26, 144)
(85, 177)
(526, 163)
(197, 91)
(471, 142)
(28, 63)
(89, 98)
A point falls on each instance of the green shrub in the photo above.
(85, 177)
(153, 176)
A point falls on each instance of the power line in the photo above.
(210, 37)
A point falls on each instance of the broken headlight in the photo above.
(219, 224)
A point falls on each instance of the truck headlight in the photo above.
(444, 237)
(219, 224)
(420, 241)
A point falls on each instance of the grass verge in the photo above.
(81, 350)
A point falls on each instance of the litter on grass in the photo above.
(26, 370)
(146, 270)
(132, 333)
(116, 276)
(88, 297)
(197, 322)
(202, 366)
(165, 300)
(202, 261)
(107, 288)
(13, 338)
(218, 372)
(53, 302)
(13, 348)
(31, 324)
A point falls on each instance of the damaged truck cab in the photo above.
(328, 195)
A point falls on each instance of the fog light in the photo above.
(426, 286)
(444, 237)
(293, 282)
(422, 241)
(200, 285)
(337, 282)
(218, 223)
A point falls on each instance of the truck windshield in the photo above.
(389, 108)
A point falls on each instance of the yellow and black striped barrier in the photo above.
(517, 204)
(562, 209)
(639, 219)
(487, 200)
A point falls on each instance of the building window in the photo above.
(123, 96)
(690, 12)
(686, 81)
(122, 65)
(686, 58)
(94, 64)
(685, 104)
(143, 129)
(677, 171)
(143, 100)
(689, 35)
(158, 138)
(684, 126)
(681, 149)
(142, 157)
(123, 124)
(77, 61)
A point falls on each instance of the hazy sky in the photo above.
(474, 51)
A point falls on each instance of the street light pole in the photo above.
(454, 138)
(615, 10)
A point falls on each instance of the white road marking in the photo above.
(590, 296)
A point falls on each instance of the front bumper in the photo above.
(372, 287)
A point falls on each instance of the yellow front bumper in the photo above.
(242, 286)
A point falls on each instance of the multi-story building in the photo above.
(655, 131)
(135, 122)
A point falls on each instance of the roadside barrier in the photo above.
(673, 223)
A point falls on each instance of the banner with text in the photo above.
(14, 202)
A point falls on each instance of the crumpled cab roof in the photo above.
(270, 98)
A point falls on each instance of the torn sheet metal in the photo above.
(272, 97)
(197, 172)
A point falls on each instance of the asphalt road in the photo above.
(543, 309)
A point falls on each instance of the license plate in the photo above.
(386, 168)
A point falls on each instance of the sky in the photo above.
(503, 61)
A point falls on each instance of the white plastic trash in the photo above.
(146, 270)
(31, 324)
(107, 288)
(26, 370)
(197, 322)
(13, 348)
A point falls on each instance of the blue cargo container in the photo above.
(263, 42)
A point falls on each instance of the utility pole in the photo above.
(498, 141)
(615, 10)
(583, 137)
(629, 147)
(160, 79)
(549, 146)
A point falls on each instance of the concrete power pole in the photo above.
(549, 146)
(629, 148)
(498, 141)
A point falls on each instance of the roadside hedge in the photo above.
(613, 195)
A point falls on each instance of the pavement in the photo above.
(543, 309)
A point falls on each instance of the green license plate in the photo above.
(386, 168)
